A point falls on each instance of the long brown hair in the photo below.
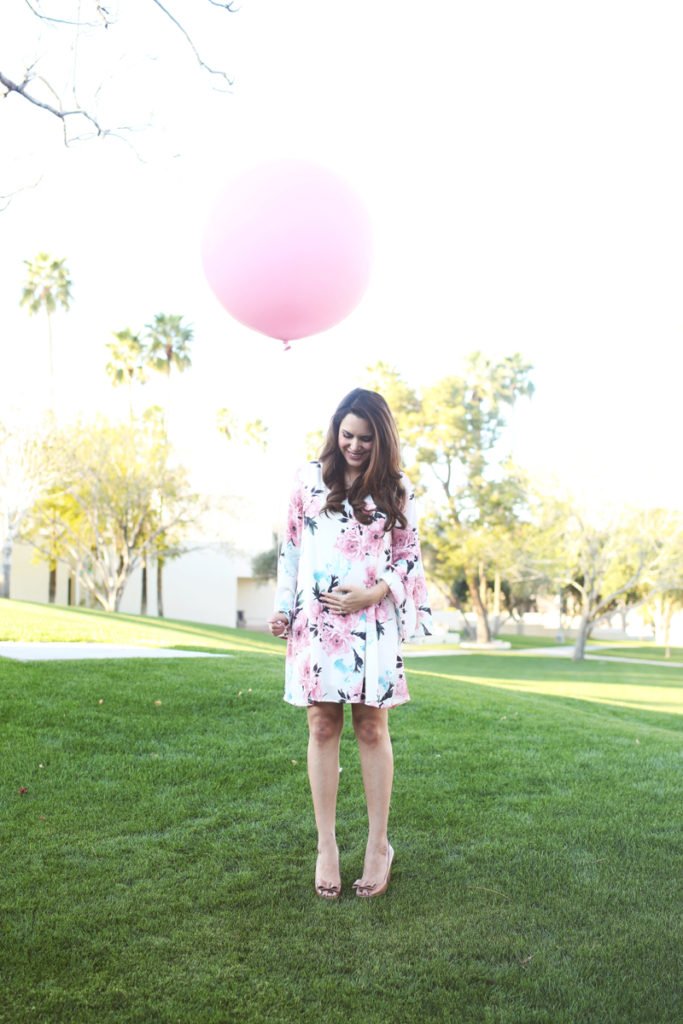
(381, 478)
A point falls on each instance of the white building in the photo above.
(208, 584)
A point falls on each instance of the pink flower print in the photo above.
(381, 611)
(356, 691)
(374, 536)
(315, 691)
(299, 633)
(294, 519)
(402, 543)
(310, 682)
(370, 576)
(335, 636)
(350, 543)
(419, 590)
(313, 506)
(400, 685)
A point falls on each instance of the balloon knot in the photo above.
(288, 347)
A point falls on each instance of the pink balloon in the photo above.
(287, 249)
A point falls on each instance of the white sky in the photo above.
(522, 164)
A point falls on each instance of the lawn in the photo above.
(637, 649)
(27, 621)
(158, 844)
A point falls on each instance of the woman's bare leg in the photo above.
(371, 726)
(325, 724)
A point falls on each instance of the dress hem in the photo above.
(367, 703)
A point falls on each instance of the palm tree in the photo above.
(127, 362)
(168, 342)
(48, 286)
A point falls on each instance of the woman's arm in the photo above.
(405, 576)
(288, 561)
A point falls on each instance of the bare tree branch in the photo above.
(106, 19)
(202, 63)
(5, 200)
(21, 90)
(102, 11)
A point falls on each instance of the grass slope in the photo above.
(159, 865)
(28, 622)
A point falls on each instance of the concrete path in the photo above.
(566, 652)
(549, 652)
(64, 651)
(36, 651)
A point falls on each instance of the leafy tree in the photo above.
(665, 606)
(120, 493)
(264, 565)
(48, 286)
(616, 566)
(168, 342)
(313, 444)
(45, 528)
(24, 472)
(250, 432)
(126, 362)
(452, 433)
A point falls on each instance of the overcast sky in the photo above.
(522, 166)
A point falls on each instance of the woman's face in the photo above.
(355, 441)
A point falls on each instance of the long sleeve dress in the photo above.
(353, 658)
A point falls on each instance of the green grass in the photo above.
(636, 649)
(29, 622)
(520, 640)
(159, 867)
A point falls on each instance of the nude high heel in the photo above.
(368, 890)
(325, 891)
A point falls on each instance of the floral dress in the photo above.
(351, 658)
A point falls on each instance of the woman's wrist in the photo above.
(382, 590)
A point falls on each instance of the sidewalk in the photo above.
(36, 651)
(76, 651)
(566, 652)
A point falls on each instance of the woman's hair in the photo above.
(381, 477)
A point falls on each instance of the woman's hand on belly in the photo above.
(345, 600)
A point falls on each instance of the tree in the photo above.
(167, 342)
(313, 444)
(253, 433)
(77, 41)
(665, 606)
(120, 493)
(47, 287)
(264, 565)
(24, 472)
(452, 433)
(616, 566)
(45, 528)
(127, 362)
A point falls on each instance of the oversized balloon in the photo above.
(287, 249)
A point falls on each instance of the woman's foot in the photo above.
(376, 873)
(327, 875)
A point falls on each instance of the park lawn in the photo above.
(159, 865)
(637, 649)
(30, 622)
(516, 641)
(520, 640)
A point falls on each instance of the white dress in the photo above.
(352, 658)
